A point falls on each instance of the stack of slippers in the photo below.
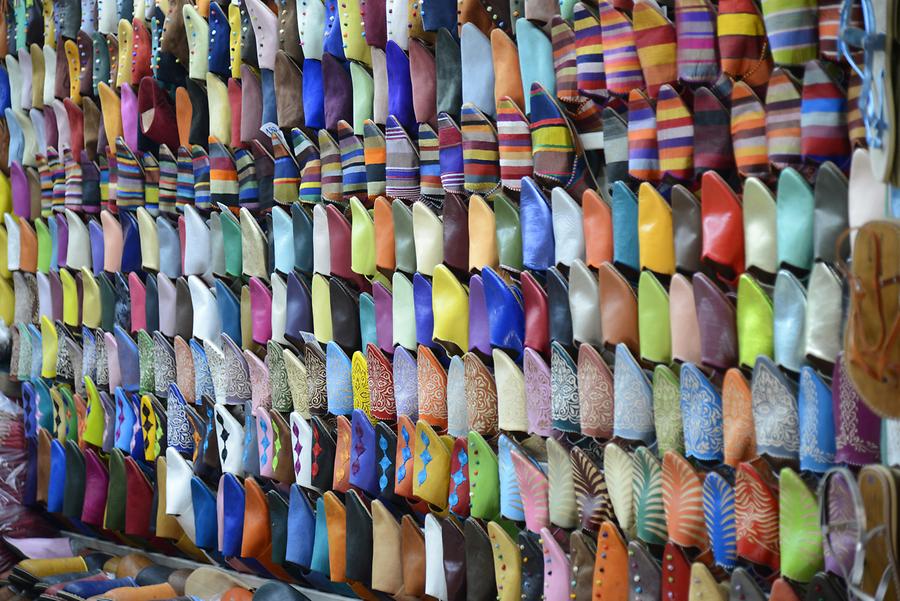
(488, 299)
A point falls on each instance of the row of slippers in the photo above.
(558, 242)
(577, 388)
(747, 518)
(50, 574)
(732, 231)
(644, 139)
(688, 320)
(150, 108)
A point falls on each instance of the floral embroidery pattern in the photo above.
(595, 393)
(278, 381)
(537, 393)
(667, 411)
(481, 396)
(381, 385)
(432, 388)
(316, 380)
(564, 401)
(816, 430)
(701, 410)
(774, 412)
(634, 399)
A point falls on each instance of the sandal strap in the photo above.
(880, 592)
(859, 560)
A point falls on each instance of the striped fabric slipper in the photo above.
(223, 178)
(591, 75)
(72, 168)
(451, 154)
(565, 61)
(620, 58)
(353, 163)
(402, 169)
(615, 138)
(674, 135)
(514, 143)
(792, 28)
(643, 150)
(248, 189)
(309, 160)
(185, 178)
(695, 31)
(375, 155)
(430, 164)
(654, 37)
(855, 126)
(783, 119)
(168, 180)
(829, 20)
(264, 164)
(130, 188)
(748, 132)
(332, 176)
(200, 164)
(481, 155)
(823, 117)
(743, 48)
(286, 179)
(558, 156)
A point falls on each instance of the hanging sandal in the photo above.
(876, 100)
(873, 325)
(874, 575)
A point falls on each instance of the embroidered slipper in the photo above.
(595, 393)
(800, 534)
(756, 511)
(775, 411)
(738, 429)
(719, 515)
(618, 467)
(537, 392)
(682, 492)
(635, 420)
(591, 495)
(856, 425)
(564, 389)
(701, 410)
(561, 489)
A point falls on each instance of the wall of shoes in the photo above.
(457, 300)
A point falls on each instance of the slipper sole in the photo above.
(878, 487)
